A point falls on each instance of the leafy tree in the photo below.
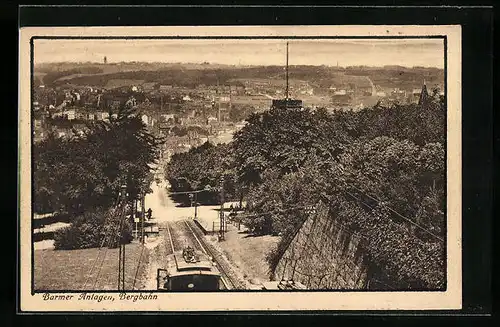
(200, 167)
(283, 139)
(381, 169)
(94, 229)
(87, 171)
(240, 112)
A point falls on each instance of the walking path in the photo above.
(165, 209)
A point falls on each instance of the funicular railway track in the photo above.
(180, 234)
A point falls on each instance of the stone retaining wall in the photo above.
(324, 255)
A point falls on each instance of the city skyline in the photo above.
(249, 52)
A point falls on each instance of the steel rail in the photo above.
(170, 238)
(138, 266)
(225, 280)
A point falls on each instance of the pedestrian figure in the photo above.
(150, 212)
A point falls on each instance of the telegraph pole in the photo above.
(218, 112)
(230, 98)
(123, 261)
(286, 71)
(221, 212)
(195, 205)
(143, 216)
(121, 252)
(134, 215)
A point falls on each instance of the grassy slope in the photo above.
(68, 270)
(249, 252)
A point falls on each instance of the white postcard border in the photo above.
(249, 301)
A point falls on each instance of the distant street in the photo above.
(164, 209)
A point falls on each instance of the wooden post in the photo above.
(121, 254)
(195, 206)
(143, 214)
(134, 214)
(123, 268)
(221, 227)
(119, 263)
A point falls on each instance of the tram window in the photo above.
(194, 283)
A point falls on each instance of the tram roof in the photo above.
(195, 272)
(201, 264)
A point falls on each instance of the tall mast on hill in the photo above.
(286, 71)
(287, 103)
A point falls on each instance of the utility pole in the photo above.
(143, 214)
(195, 205)
(134, 215)
(221, 212)
(217, 92)
(121, 253)
(286, 71)
(218, 113)
(230, 98)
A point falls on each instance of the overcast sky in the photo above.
(378, 52)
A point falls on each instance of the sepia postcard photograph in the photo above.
(240, 168)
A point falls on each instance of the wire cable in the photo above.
(137, 269)
(98, 252)
(109, 244)
(395, 212)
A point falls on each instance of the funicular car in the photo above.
(189, 270)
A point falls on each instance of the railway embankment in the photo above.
(201, 226)
(247, 252)
(321, 255)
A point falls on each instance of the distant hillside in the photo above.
(397, 76)
(190, 75)
(118, 83)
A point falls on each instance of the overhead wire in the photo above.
(109, 244)
(138, 266)
(344, 227)
(89, 274)
(121, 272)
(395, 212)
(392, 210)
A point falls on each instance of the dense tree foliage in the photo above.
(83, 175)
(380, 169)
(392, 193)
(94, 229)
(420, 124)
(282, 140)
(240, 112)
(87, 171)
(184, 131)
(200, 168)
